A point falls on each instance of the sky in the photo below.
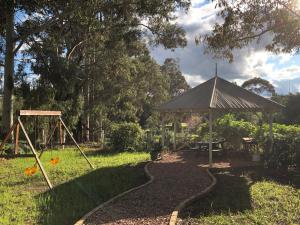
(282, 70)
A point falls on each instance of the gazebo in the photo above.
(217, 95)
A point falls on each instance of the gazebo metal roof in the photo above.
(219, 94)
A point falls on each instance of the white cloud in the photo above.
(249, 62)
(193, 80)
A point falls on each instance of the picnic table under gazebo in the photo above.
(217, 95)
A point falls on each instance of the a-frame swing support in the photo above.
(18, 124)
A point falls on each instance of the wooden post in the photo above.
(64, 138)
(17, 138)
(210, 138)
(102, 138)
(163, 135)
(43, 136)
(82, 153)
(271, 132)
(61, 139)
(174, 138)
(35, 154)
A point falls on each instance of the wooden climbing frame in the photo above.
(16, 128)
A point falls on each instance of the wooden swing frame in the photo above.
(16, 128)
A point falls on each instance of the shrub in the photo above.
(126, 137)
(284, 154)
(286, 148)
(233, 130)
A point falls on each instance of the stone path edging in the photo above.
(148, 174)
(184, 203)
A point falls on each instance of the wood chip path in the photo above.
(176, 177)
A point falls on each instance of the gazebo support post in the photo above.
(163, 131)
(271, 132)
(174, 138)
(210, 138)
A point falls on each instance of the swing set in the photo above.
(59, 123)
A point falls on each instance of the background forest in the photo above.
(89, 59)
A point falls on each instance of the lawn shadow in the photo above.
(284, 177)
(231, 194)
(73, 199)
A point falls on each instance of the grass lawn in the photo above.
(248, 196)
(26, 199)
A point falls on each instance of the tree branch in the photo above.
(18, 47)
(254, 35)
(74, 47)
(153, 31)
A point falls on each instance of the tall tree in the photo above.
(15, 34)
(259, 86)
(68, 27)
(292, 110)
(177, 82)
(246, 21)
(9, 66)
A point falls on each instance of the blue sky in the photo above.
(282, 70)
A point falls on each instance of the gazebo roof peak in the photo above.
(216, 73)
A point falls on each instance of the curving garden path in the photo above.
(177, 177)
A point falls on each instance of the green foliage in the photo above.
(284, 153)
(126, 137)
(233, 130)
(286, 148)
(176, 81)
(95, 66)
(259, 86)
(286, 138)
(246, 21)
(292, 110)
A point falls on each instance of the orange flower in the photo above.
(31, 170)
(34, 170)
(54, 161)
(28, 171)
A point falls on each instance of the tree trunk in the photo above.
(86, 115)
(7, 113)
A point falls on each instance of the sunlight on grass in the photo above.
(78, 188)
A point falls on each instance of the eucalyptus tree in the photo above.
(73, 27)
(259, 86)
(246, 21)
(177, 82)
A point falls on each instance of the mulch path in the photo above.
(176, 177)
